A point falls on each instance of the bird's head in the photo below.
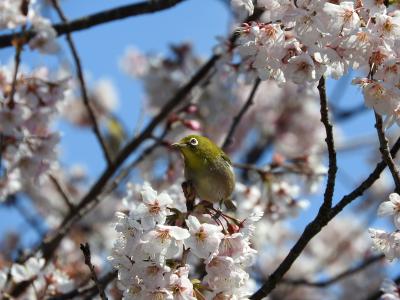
(196, 148)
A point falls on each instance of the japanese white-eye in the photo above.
(207, 167)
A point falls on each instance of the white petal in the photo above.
(179, 233)
(148, 194)
(397, 220)
(386, 209)
(193, 223)
(395, 198)
(18, 273)
(3, 279)
(164, 199)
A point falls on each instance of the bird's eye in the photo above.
(193, 142)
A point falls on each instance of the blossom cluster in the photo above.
(45, 280)
(163, 253)
(388, 242)
(28, 143)
(16, 13)
(300, 41)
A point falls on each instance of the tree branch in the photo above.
(18, 43)
(88, 261)
(239, 116)
(61, 191)
(106, 16)
(85, 96)
(384, 149)
(332, 168)
(316, 225)
(321, 219)
(324, 283)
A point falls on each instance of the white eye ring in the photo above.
(193, 142)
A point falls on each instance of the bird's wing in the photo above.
(226, 158)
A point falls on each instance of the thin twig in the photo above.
(85, 96)
(275, 170)
(321, 219)
(346, 273)
(17, 61)
(341, 115)
(88, 261)
(118, 13)
(61, 191)
(239, 116)
(18, 43)
(384, 149)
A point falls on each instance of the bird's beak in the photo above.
(178, 145)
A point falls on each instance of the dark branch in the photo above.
(88, 261)
(239, 116)
(61, 191)
(384, 149)
(332, 168)
(18, 43)
(316, 225)
(106, 16)
(324, 283)
(85, 96)
(321, 219)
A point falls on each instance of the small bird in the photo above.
(207, 167)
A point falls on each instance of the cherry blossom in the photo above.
(204, 238)
(243, 7)
(387, 243)
(165, 240)
(153, 209)
(391, 207)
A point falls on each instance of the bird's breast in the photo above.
(213, 182)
